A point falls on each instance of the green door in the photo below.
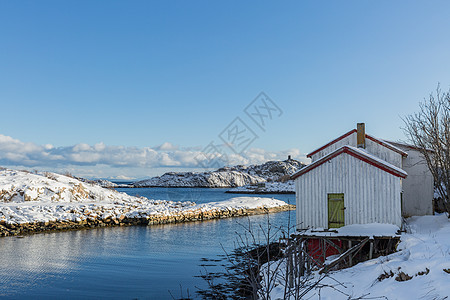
(336, 210)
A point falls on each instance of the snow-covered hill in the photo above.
(205, 179)
(45, 199)
(106, 183)
(225, 177)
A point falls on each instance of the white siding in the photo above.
(372, 147)
(349, 140)
(370, 194)
(384, 153)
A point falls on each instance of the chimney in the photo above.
(361, 135)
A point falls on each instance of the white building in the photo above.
(418, 187)
(357, 179)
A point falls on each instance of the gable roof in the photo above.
(409, 146)
(374, 139)
(359, 154)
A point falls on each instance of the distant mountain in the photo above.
(226, 177)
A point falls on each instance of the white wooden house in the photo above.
(354, 179)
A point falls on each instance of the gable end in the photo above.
(355, 153)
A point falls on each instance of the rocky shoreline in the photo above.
(14, 229)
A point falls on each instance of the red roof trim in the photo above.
(350, 151)
(332, 142)
(387, 145)
(380, 142)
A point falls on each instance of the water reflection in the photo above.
(119, 262)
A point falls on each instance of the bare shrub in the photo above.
(284, 178)
(68, 174)
(50, 175)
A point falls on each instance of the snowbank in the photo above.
(420, 270)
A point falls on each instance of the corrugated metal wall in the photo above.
(370, 194)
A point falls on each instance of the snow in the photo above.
(106, 183)
(46, 197)
(370, 230)
(214, 179)
(247, 203)
(269, 187)
(423, 254)
(225, 177)
(379, 160)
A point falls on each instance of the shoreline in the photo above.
(11, 229)
(174, 187)
(260, 193)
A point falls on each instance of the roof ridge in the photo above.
(370, 137)
(358, 153)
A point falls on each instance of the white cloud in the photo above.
(81, 147)
(99, 147)
(167, 147)
(122, 177)
(17, 153)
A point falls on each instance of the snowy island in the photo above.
(227, 177)
(47, 201)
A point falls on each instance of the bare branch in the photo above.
(429, 131)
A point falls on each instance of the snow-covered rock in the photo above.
(214, 179)
(225, 177)
(106, 183)
(49, 197)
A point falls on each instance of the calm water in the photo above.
(123, 262)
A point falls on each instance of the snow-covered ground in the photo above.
(424, 255)
(269, 187)
(45, 197)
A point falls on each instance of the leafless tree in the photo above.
(429, 129)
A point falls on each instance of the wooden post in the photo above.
(290, 268)
(302, 257)
(371, 249)
(350, 261)
(324, 250)
(344, 255)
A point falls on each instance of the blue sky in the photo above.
(92, 87)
